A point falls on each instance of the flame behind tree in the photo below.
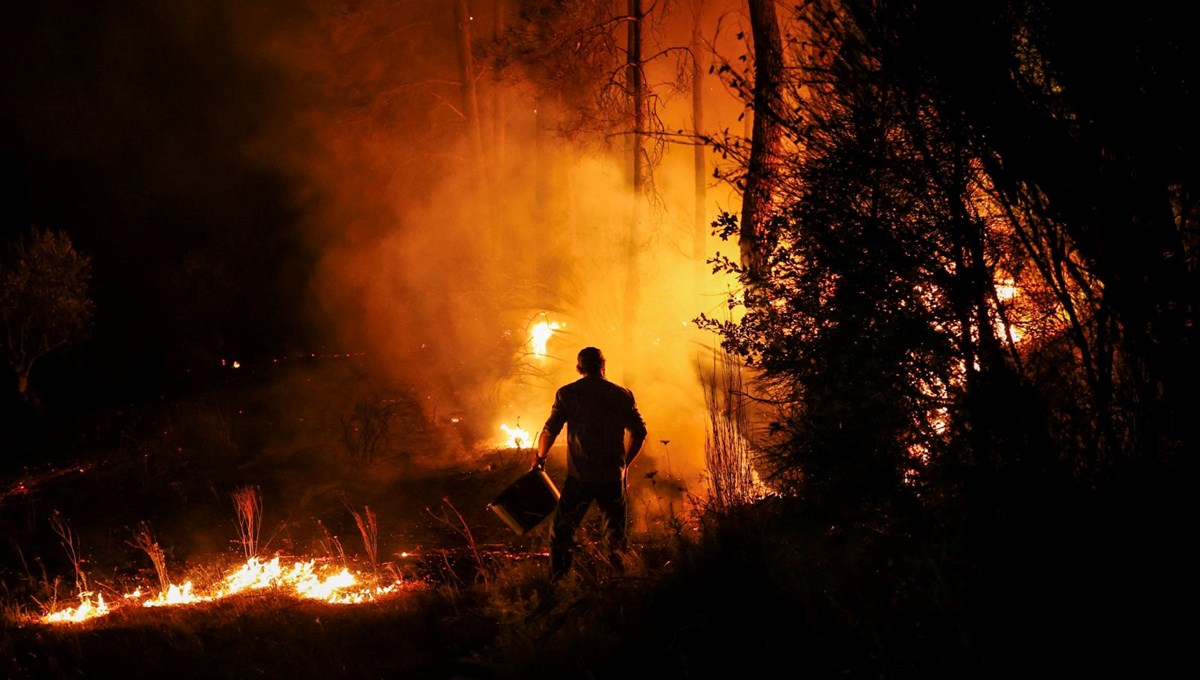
(44, 300)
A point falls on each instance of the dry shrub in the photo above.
(727, 453)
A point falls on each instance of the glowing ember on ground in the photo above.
(517, 438)
(302, 579)
(540, 334)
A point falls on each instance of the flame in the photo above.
(517, 438)
(86, 610)
(175, 595)
(302, 579)
(540, 334)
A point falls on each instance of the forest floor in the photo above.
(411, 512)
(769, 588)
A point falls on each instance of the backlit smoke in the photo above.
(477, 280)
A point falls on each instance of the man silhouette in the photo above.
(598, 414)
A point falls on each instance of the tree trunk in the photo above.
(470, 97)
(700, 226)
(638, 169)
(764, 143)
(499, 120)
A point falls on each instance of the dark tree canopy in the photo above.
(985, 255)
(44, 299)
(977, 315)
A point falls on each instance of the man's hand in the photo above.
(545, 441)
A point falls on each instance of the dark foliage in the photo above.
(978, 323)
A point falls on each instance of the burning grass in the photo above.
(302, 579)
(267, 584)
(258, 634)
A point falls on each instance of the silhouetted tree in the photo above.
(761, 176)
(977, 308)
(44, 299)
(1084, 123)
(870, 314)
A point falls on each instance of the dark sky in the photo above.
(130, 125)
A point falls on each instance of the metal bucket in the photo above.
(527, 502)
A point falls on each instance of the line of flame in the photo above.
(301, 578)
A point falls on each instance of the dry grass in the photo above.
(727, 453)
(762, 588)
(70, 544)
(247, 504)
(144, 540)
(463, 529)
(368, 528)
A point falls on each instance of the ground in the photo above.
(170, 470)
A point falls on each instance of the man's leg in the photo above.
(572, 506)
(614, 510)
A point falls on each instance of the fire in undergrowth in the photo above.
(540, 334)
(516, 438)
(303, 579)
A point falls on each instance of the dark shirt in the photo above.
(597, 413)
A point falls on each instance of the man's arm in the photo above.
(554, 425)
(637, 434)
(635, 446)
(545, 441)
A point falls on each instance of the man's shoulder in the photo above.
(597, 385)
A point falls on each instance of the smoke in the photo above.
(436, 263)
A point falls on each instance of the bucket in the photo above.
(527, 502)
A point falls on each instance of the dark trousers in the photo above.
(573, 503)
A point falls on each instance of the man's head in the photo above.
(590, 361)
